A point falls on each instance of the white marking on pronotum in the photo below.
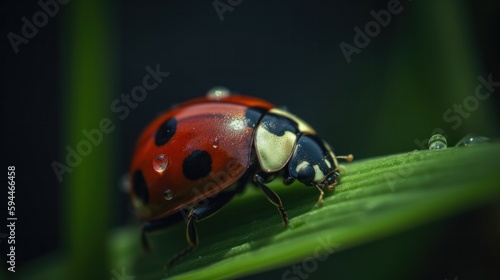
(319, 175)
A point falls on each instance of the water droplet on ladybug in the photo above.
(215, 144)
(437, 142)
(218, 93)
(160, 163)
(472, 139)
(167, 194)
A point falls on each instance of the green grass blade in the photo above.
(376, 198)
(88, 88)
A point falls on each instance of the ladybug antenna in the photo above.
(348, 158)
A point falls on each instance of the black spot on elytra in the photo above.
(165, 132)
(278, 125)
(140, 187)
(197, 165)
(253, 115)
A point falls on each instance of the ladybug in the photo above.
(193, 159)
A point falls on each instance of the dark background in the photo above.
(391, 94)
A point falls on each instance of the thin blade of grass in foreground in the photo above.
(376, 198)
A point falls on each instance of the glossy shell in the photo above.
(206, 145)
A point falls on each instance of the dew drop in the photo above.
(472, 139)
(218, 93)
(437, 142)
(215, 144)
(160, 163)
(167, 194)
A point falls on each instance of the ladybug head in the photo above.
(330, 180)
(313, 175)
(313, 163)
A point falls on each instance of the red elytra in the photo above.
(209, 124)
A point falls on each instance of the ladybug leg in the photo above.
(192, 238)
(199, 213)
(320, 198)
(271, 196)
